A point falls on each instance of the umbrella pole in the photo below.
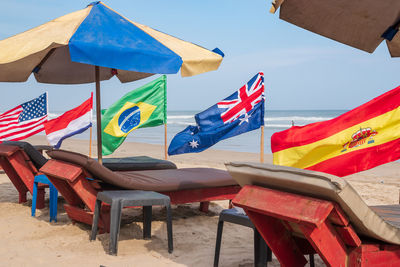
(98, 115)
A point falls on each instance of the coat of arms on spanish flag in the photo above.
(357, 140)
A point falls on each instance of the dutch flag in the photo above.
(74, 121)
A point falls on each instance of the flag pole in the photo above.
(98, 114)
(91, 128)
(47, 107)
(165, 141)
(165, 119)
(262, 145)
(90, 143)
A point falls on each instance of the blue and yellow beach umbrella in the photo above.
(97, 43)
(97, 35)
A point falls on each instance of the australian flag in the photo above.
(241, 112)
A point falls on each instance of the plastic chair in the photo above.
(53, 196)
(131, 198)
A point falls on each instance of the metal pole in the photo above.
(98, 115)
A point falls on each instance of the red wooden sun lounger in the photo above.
(300, 212)
(79, 179)
(21, 161)
(21, 170)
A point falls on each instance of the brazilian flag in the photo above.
(143, 107)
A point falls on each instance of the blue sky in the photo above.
(302, 70)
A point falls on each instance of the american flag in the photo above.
(24, 120)
(244, 100)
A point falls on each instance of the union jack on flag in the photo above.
(241, 112)
(244, 100)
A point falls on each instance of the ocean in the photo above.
(275, 121)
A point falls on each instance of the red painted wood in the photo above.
(278, 238)
(15, 179)
(348, 235)
(338, 217)
(275, 203)
(327, 243)
(203, 194)
(86, 217)
(61, 170)
(388, 256)
(204, 206)
(333, 239)
(25, 173)
(67, 192)
(6, 151)
(85, 191)
(40, 198)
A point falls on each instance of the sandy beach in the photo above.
(28, 241)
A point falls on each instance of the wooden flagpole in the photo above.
(91, 128)
(165, 141)
(165, 120)
(90, 143)
(98, 114)
(262, 145)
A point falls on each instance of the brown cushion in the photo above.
(155, 180)
(138, 163)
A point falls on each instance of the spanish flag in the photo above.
(357, 140)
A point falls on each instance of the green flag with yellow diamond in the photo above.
(143, 107)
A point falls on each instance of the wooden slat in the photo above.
(278, 238)
(203, 194)
(326, 242)
(61, 170)
(275, 203)
(348, 235)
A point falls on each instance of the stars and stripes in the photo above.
(243, 100)
(24, 120)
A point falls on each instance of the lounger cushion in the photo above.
(318, 185)
(137, 163)
(115, 164)
(36, 157)
(155, 180)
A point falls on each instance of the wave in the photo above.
(286, 126)
(171, 117)
(297, 118)
(180, 123)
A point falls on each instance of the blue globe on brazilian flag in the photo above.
(143, 107)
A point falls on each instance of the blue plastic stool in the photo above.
(53, 196)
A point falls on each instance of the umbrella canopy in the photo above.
(62, 50)
(360, 24)
(94, 44)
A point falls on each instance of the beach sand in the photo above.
(28, 241)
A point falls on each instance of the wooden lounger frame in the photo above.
(21, 171)
(80, 191)
(294, 225)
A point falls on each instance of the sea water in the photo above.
(275, 121)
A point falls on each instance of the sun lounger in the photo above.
(21, 162)
(300, 212)
(69, 172)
